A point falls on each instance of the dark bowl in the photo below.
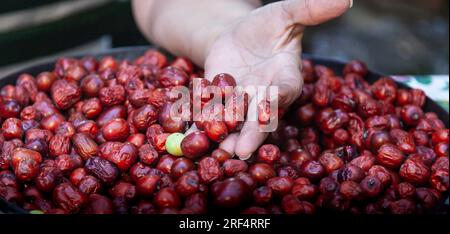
(131, 53)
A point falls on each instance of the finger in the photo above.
(192, 129)
(313, 12)
(229, 143)
(211, 71)
(249, 140)
(141, 10)
(250, 137)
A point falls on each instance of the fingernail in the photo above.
(351, 4)
(232, 154)
(245, 158)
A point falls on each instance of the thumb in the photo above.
(313, 12)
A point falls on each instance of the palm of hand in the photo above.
(259, 57)
(264, 49)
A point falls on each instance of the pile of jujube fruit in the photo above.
(90, 137)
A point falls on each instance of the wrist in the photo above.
(193, 37)
(204, 38)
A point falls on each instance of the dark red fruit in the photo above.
(230, 193)
(268, 153)
(261, 172)
(195, 145)
(415, 172)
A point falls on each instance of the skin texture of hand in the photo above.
(257, 46)
(263, 49)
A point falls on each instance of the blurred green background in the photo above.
(393, 37)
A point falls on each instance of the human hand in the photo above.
(263, 48)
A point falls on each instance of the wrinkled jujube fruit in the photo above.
(84, 145)
(415, 172)
(124, 155)
(69, 198)
(209, 170)
(106, 171)
(90, 136)
(25, 163)
(390, 156)
(65, 94)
